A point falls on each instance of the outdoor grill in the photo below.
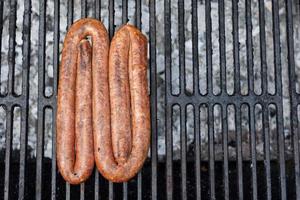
(237, 122)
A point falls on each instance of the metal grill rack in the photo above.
(192, 176)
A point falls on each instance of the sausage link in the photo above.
(121, 139)
(75, 156)
(120, 97)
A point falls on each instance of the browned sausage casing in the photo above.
(79, 61)
(121, 112)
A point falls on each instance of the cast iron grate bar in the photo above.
(41, 101)
(56, 37)
(97, 11)
(278, 81)
(222, 52)
(153, 96)
(124, 11)
(197, 153)
(111, 18)
(195, 91)
(83, 8)
(168, 105)
(139, 185)
(209, 106)
(125, 191)
(138, 14)
(82, 191)
(262, 37)
(205, 183)
(222, 49)
(264, 92)
(70, 13)
(96, 188)
(9, 117)
(208, 43)
(266, 130)
(211, 151)
(111, 191)
(252, 131)
(237, 89)
(225, 153)
(238, 131)
(68, 194)
(1, 30)
(183, 114)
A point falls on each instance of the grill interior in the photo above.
(224, 89)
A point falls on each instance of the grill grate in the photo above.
(192, 176)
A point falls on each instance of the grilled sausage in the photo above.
(122, 125)
(75, 156)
